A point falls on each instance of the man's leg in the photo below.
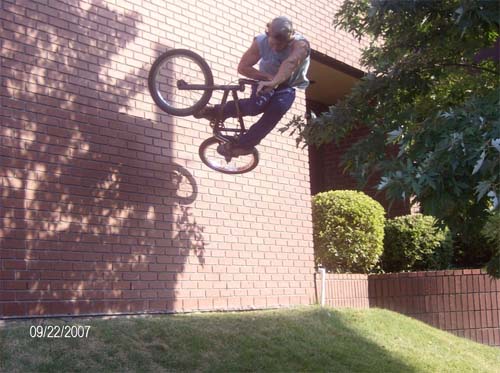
(254, 105)
(280, 102)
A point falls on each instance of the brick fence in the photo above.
(345, 290)
(463, 302)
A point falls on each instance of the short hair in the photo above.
(280, 28)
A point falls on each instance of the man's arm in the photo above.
(300, 51)
(248, 60)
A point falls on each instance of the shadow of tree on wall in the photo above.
(188, 235)
(92, 200)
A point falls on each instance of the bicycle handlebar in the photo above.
(248, 81)
(183, 85)
(242, 82)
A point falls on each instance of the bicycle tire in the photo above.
(227, 167)
(164, 77)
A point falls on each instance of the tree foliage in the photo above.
(430, 100)
(491, 231)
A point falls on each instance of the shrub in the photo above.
(491, 232)
(348, 231)
(471, 248)
(415, 243)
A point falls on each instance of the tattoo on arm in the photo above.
(299, 54)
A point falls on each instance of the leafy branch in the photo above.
(430, 109)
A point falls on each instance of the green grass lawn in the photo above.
(307, 339)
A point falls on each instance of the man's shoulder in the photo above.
(301, 42)
(299, 38)
(262, 43)
(260, 37)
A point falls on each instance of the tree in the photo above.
(430, 102)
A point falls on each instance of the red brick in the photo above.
(14, 309)
(460, 320)
(495, 318)
(496, 337)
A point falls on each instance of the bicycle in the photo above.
(181, 83)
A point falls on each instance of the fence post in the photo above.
(323, 285)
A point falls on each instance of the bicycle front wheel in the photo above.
(227, 165)
(184, 66)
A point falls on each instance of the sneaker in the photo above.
(224, 149)
(208, 112)
(229, 149)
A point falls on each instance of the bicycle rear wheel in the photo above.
(179, 65)
(232, 165)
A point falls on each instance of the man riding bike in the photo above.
(284, 57)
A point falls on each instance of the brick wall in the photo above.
(106, 206)
(346, 290)
(463, 302)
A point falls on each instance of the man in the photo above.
(284, 59)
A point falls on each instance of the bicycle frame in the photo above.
(217, 151)
(218, 125)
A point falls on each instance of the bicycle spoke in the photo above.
(233, 165)
(173, 69)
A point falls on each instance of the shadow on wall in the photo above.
(94, 210)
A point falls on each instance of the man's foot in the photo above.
(224, 149)
(208, 112)
(229, 149)
(238, 150)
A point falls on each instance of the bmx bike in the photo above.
(181, 84)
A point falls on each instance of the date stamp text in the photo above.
(59, 331)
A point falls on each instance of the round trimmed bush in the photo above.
(415, 243)
(348, 230)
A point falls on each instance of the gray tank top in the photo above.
(270, 61)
